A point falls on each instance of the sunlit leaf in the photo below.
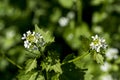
(97, 2)
(88, 76)
(40, 77)
(55, 77)
(98, 17)
(99, 58)
(56, 15)
(29, 76)
(57, 68)
(30, 64)
(47, 36)
(66, 3)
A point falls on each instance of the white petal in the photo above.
(27, 44)
(92, 44)
(36, 40)
(41, 36)
(28, 33)
(103, 40)
(24, 36)
(33, 33)
(93, 37)
(96, 36)
(98, 49)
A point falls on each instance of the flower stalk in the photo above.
(76, 59)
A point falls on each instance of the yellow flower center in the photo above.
(96, 41)
(31, 38)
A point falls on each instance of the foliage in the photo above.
(66, 27)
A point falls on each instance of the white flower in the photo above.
(111, 53)
(98, 43)
(105, 67)
(27, 44)
(106, 77)
(29, 36)
(28, 32)
(24, 36)
(32, 39)
(63, 21)
(71, 15)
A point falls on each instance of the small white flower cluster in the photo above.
(106, 77)
(112, 53)
(98, 43)
(105, 67)
(63, 21)
(32, 39)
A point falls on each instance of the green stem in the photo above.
(77, 58)
(11, 61)
(46, 75)
(44, 59)
(79, 11)
(42, 54)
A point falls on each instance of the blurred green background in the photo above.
(68, 20)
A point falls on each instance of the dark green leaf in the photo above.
(71, 72)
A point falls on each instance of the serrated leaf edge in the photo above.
(32, 64)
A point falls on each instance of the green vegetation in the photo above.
(59, 40)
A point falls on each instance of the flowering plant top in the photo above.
(32, 39)
(98, 43)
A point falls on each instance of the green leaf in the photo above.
(33, 75)
(98, 57)
(72, 35)
(40, 77)
(46, 35)
(84, 62)
(84, 43)
(66, 3)
(88, 76)
(30, 64)
(49, 67)
(29, 76)
(57, 68)
(45, 66)
(55, 77)
(99, 17)
(55, 15)
(97, 2)
(68, 57)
